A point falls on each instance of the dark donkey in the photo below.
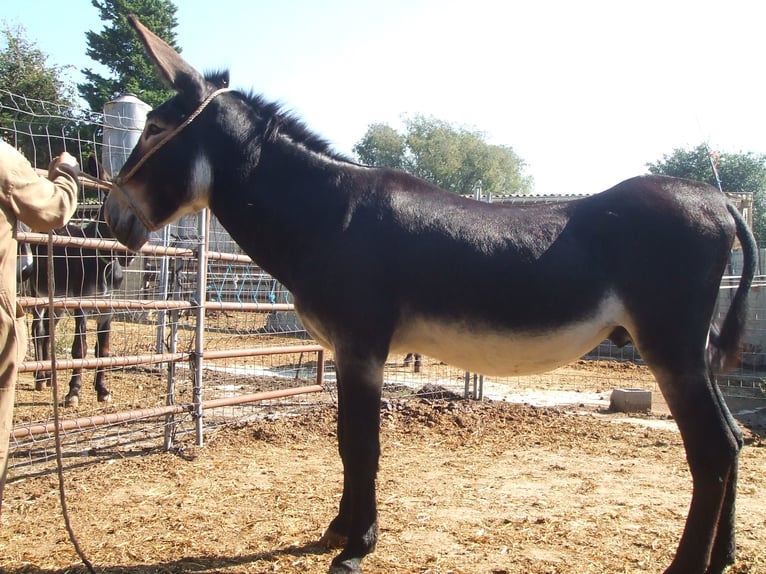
(77, 272)
(379, 261)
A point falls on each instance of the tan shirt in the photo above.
(42, 204)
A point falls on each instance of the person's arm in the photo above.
(43, 204)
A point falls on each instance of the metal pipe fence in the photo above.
(159, 332)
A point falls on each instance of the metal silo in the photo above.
(124, 119)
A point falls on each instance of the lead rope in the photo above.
(713, 156)
(56, 416)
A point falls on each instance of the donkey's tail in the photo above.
(726, 341)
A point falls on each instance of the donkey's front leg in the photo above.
(79, 349)
(360, 379)
(103, 334)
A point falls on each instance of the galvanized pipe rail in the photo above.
(113, 304)
(34, 430)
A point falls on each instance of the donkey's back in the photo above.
(507, 289)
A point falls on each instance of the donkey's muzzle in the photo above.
(124, 223)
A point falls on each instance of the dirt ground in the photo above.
(464, 487)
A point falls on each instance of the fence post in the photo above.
(203, 227)
(478, 380)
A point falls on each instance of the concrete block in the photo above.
(631, 400)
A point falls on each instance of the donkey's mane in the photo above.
(280, 121)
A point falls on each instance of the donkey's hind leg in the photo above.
(41, 342)
(724, 547)
(712, 450)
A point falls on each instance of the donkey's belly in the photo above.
(472, 346)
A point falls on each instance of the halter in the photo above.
(121, 180)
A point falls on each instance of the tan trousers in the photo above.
(13, 347)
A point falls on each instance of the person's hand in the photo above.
(67, 162)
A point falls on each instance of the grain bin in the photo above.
(124, 119)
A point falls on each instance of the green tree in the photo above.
(738, 173)
(382, 146)
(35, 100)
(452, 157)
(119, 50)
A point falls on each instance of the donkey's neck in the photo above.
(285, 206)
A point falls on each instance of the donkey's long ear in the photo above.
(173, 68)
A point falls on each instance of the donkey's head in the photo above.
(168, 174)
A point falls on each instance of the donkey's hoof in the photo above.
(331, 539)
(41, 384)
(72, 401)
(107, 398)
(349, 566)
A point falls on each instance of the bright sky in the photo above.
(585, 92)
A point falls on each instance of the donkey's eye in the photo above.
(153, 130)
